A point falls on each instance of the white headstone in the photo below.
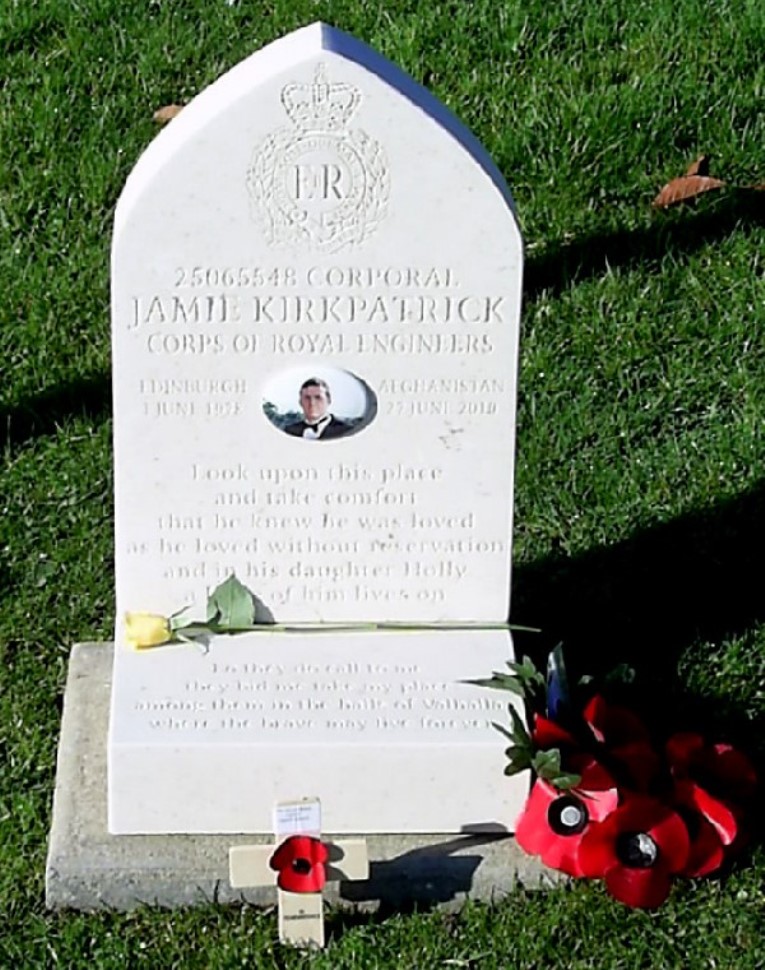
(316, 295)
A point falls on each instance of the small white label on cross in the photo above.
(293, 818)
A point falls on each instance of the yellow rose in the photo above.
(147, 630)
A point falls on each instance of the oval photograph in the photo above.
(318, 403)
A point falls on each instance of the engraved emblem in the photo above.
(319, 184)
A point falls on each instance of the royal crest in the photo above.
(319, 184)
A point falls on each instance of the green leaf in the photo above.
(621, 674)
(192, 630)
(177, 621)
(527, 673)
(231, 606)
(499, 681)
(521, 749)
(520, 734)
(514, 768)
(524, 680)
(519, 759)
(565, 781)
(503, 730)
(547, 763)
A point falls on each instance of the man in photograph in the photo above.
(318, 422)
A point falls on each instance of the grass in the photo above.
(640, 491)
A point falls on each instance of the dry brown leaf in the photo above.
(685, 188)
(167, 113)
(700, 166)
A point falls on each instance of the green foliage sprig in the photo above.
(548, 696)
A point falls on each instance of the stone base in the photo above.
(89, 869)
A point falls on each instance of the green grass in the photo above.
(640, 503)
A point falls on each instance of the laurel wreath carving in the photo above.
(345, 227)
(378, 181)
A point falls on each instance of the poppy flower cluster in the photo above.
(636, 817)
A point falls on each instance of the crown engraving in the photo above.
(318, 183)
(320, 106)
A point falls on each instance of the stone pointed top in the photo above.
(276, 58)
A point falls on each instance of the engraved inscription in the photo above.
(280, 699)
(347, 533)
(319, 184)
(363, 310)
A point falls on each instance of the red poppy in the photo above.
(719, 815)
(609, 723)
(637, 848)
(547, 733)
(299, 860)
(553, 822)
(706, 852)
(720, 768)
(712, 826)
(613, 725)
(638, 762)
(595, 781)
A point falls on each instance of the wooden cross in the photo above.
(292, 861)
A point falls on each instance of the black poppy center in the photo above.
(301, 866)
(568, 815)
(637, 850)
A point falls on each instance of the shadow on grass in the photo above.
(681, 232)
(40, 414)
(644, 600)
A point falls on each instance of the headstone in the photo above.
(316, 297)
